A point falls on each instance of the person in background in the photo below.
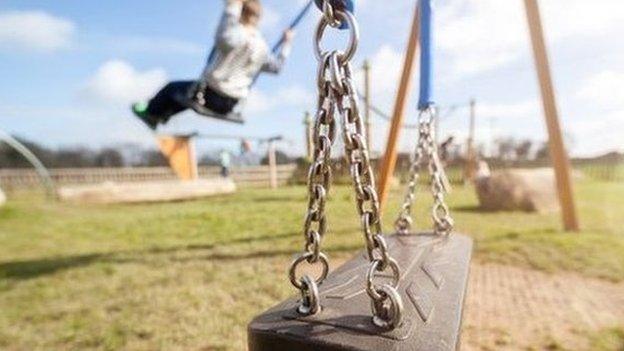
(224, 162)
(241, 53)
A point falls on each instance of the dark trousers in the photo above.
(169, 101)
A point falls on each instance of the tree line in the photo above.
(126, 155)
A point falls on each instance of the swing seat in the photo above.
(434, 276)
(189, 101)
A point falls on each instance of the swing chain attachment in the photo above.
(319, 182)
(334, 18)
(338, 99)
(427, 147)
(386, 303)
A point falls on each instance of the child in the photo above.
(240, 54)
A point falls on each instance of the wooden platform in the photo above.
(145, 192)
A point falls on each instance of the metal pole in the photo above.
(272, 165)
(307, 121)
(471, 158)
(41, 170)
(367, 102)
(390, 158)
(561, 163)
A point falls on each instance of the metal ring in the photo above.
(354, 37)
(292, 274)
(403, 224)
(370, 284)
(381, 317)
(310, 299)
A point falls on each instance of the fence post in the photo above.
(272, 165)
(307, 121)
(471, 156)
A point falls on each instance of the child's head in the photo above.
(252, 11)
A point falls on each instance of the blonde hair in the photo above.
(252, 11)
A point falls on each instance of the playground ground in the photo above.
(189, 276)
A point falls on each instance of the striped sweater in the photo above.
(241, 53)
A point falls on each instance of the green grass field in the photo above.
(190, 275)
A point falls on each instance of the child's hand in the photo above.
(289, 35)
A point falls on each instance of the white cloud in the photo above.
(386, 65)
(529, 108)
(481, 35)
(605, 89)
(294, 96)
(119, 83)
(35, 30)
(154, 45)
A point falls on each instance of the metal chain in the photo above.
(319, 181)
(386, 302)
(427, 147)
(338, 98)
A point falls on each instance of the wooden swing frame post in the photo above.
(390, 158)
(558, 154)
(561, 162)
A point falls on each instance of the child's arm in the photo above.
(230, 33)
(275, 63)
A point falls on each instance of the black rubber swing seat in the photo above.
(434, 277)
(191, 103)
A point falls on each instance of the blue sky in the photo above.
(70, 68)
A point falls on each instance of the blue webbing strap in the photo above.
(293, 25)
(425, 99)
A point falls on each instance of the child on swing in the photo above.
(241, 52)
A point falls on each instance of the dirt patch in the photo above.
(511, 308)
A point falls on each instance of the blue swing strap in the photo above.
(425, 99)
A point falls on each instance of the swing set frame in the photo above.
(559, 156)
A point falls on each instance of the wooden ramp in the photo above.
(145, 192)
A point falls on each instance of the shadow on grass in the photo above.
(28, 269)
(299, 198)
(469, 209)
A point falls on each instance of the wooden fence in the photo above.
(252, 176)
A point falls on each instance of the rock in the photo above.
(531, 190)
(159, 191)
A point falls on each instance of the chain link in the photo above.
(319, 182)
(338, 98)
(427, 148)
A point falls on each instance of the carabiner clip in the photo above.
(339, 5)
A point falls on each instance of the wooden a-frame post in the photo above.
(389, 161)
(561, 163)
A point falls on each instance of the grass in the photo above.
(608, 339)
(190, 275)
